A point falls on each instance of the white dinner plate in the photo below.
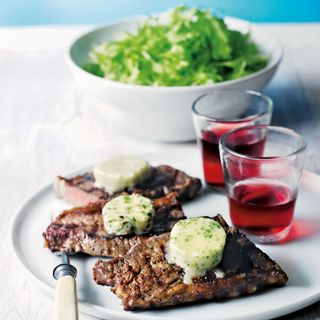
(299, 256)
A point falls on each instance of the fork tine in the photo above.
(65, 258)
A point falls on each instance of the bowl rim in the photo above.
(274, 60)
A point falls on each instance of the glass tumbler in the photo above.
(219, 112)
(262, 166)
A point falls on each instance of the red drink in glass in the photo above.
(220, 111)
(261, 208)
(209, 145)
(262, 190)
(249, 144)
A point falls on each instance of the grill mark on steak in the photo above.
(163, 179)
(143, 278)
(81, 229)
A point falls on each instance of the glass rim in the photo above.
(268, 100)
(288, 131)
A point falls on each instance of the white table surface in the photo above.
(49, 127)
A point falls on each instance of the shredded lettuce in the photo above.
(180, 48)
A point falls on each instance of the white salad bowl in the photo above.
(160, 113)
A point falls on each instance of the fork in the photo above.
(65, 302)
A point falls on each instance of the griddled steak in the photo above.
(162, 180)
(143, 278)
(81, 229)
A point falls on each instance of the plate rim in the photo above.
(89, 308)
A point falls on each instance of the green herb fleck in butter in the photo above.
(128, 214)
(196, 245)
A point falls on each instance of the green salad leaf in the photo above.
(180, 48)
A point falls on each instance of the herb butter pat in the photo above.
(118, 173)
(128, 214)
(196, 245)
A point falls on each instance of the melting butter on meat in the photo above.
(128, 214)
(196, 245)
(118, 173)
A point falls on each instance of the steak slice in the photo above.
(81, 229)
(163, 179)
(143, 279)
